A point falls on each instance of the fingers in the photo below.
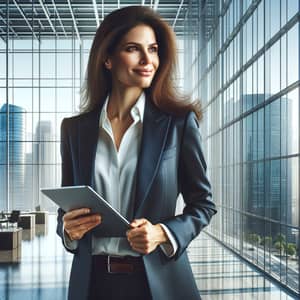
(139, 237)
(138, 222)
(76, 233)
(79, 221)
(76, 213)
(144, 237)
(144, 247)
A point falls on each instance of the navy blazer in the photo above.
(170, 162)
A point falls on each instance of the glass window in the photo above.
(236, 11)
(247, 89)
(246, 4)
(3, 65)
(274, 16)
(255, 29)
(64, 65)
(237, 98)
(230, 16)
(47, 100)
(275, 68)
(273, 206)
(22, 97)
(260, 24)
(290, 123)
(24, 44)
(293, 54)
(2, 96)
(247, 40)
(47, 44)
(267, 139)
(283, 12)
(22, 63)
(260, 79)
(47, 65)
(292, 8)
(247, 139)
(2, 45)
(283, 61)
(260, 134)
(274, 129)
(64, 100)
(64, 44)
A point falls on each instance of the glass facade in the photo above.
(39, 86)
(246, 74)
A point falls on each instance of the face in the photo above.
(135, 61)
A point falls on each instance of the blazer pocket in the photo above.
(169, 153)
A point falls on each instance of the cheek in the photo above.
(127, 60)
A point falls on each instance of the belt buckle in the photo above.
(108, 264)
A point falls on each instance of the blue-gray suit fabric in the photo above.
(170, 162)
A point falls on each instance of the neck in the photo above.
(121, 101)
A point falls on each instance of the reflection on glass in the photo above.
(275, 68)
(293, 54)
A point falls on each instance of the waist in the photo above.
(118, 264)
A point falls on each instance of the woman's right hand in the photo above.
(78, 222)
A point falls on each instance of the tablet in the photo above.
(113, 224)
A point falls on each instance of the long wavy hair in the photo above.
(162, 90)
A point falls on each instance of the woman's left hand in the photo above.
(144, 237)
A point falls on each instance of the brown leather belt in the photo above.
(117, 264)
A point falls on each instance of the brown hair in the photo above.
(162, 90)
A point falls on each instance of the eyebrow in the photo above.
(134, 43)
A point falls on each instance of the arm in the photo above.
(66, 174)
(195, 188)
(73, 225)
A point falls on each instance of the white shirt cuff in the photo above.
(169, 248)
(71, 245)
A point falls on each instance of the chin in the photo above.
(146, 84)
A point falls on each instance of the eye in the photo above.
(131, 48)
(153, 49)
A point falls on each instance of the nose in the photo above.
(145, 59)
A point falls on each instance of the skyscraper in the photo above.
(12, 156)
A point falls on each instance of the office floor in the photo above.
(43, 271)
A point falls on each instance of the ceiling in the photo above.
(65, 18)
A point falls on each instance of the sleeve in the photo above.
(195, 188)
(67, 179)
(70, 245)
(170, 247)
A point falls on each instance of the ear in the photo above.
(107, 64)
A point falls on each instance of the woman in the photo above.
(138, 145)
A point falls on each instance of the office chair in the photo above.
(13, 218)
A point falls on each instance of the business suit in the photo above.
(170, 162)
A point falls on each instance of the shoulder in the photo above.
(74, 120)
(187, 119)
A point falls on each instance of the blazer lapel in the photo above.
(87, 145)
(155, 130)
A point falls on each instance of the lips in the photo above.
(145, 73)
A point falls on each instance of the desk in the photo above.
(10, 238)
(27, 221)
(41, 217)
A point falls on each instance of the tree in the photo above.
(280, 246)
(290, 249)
(267, 241)
(280, 238)
(254, 239)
